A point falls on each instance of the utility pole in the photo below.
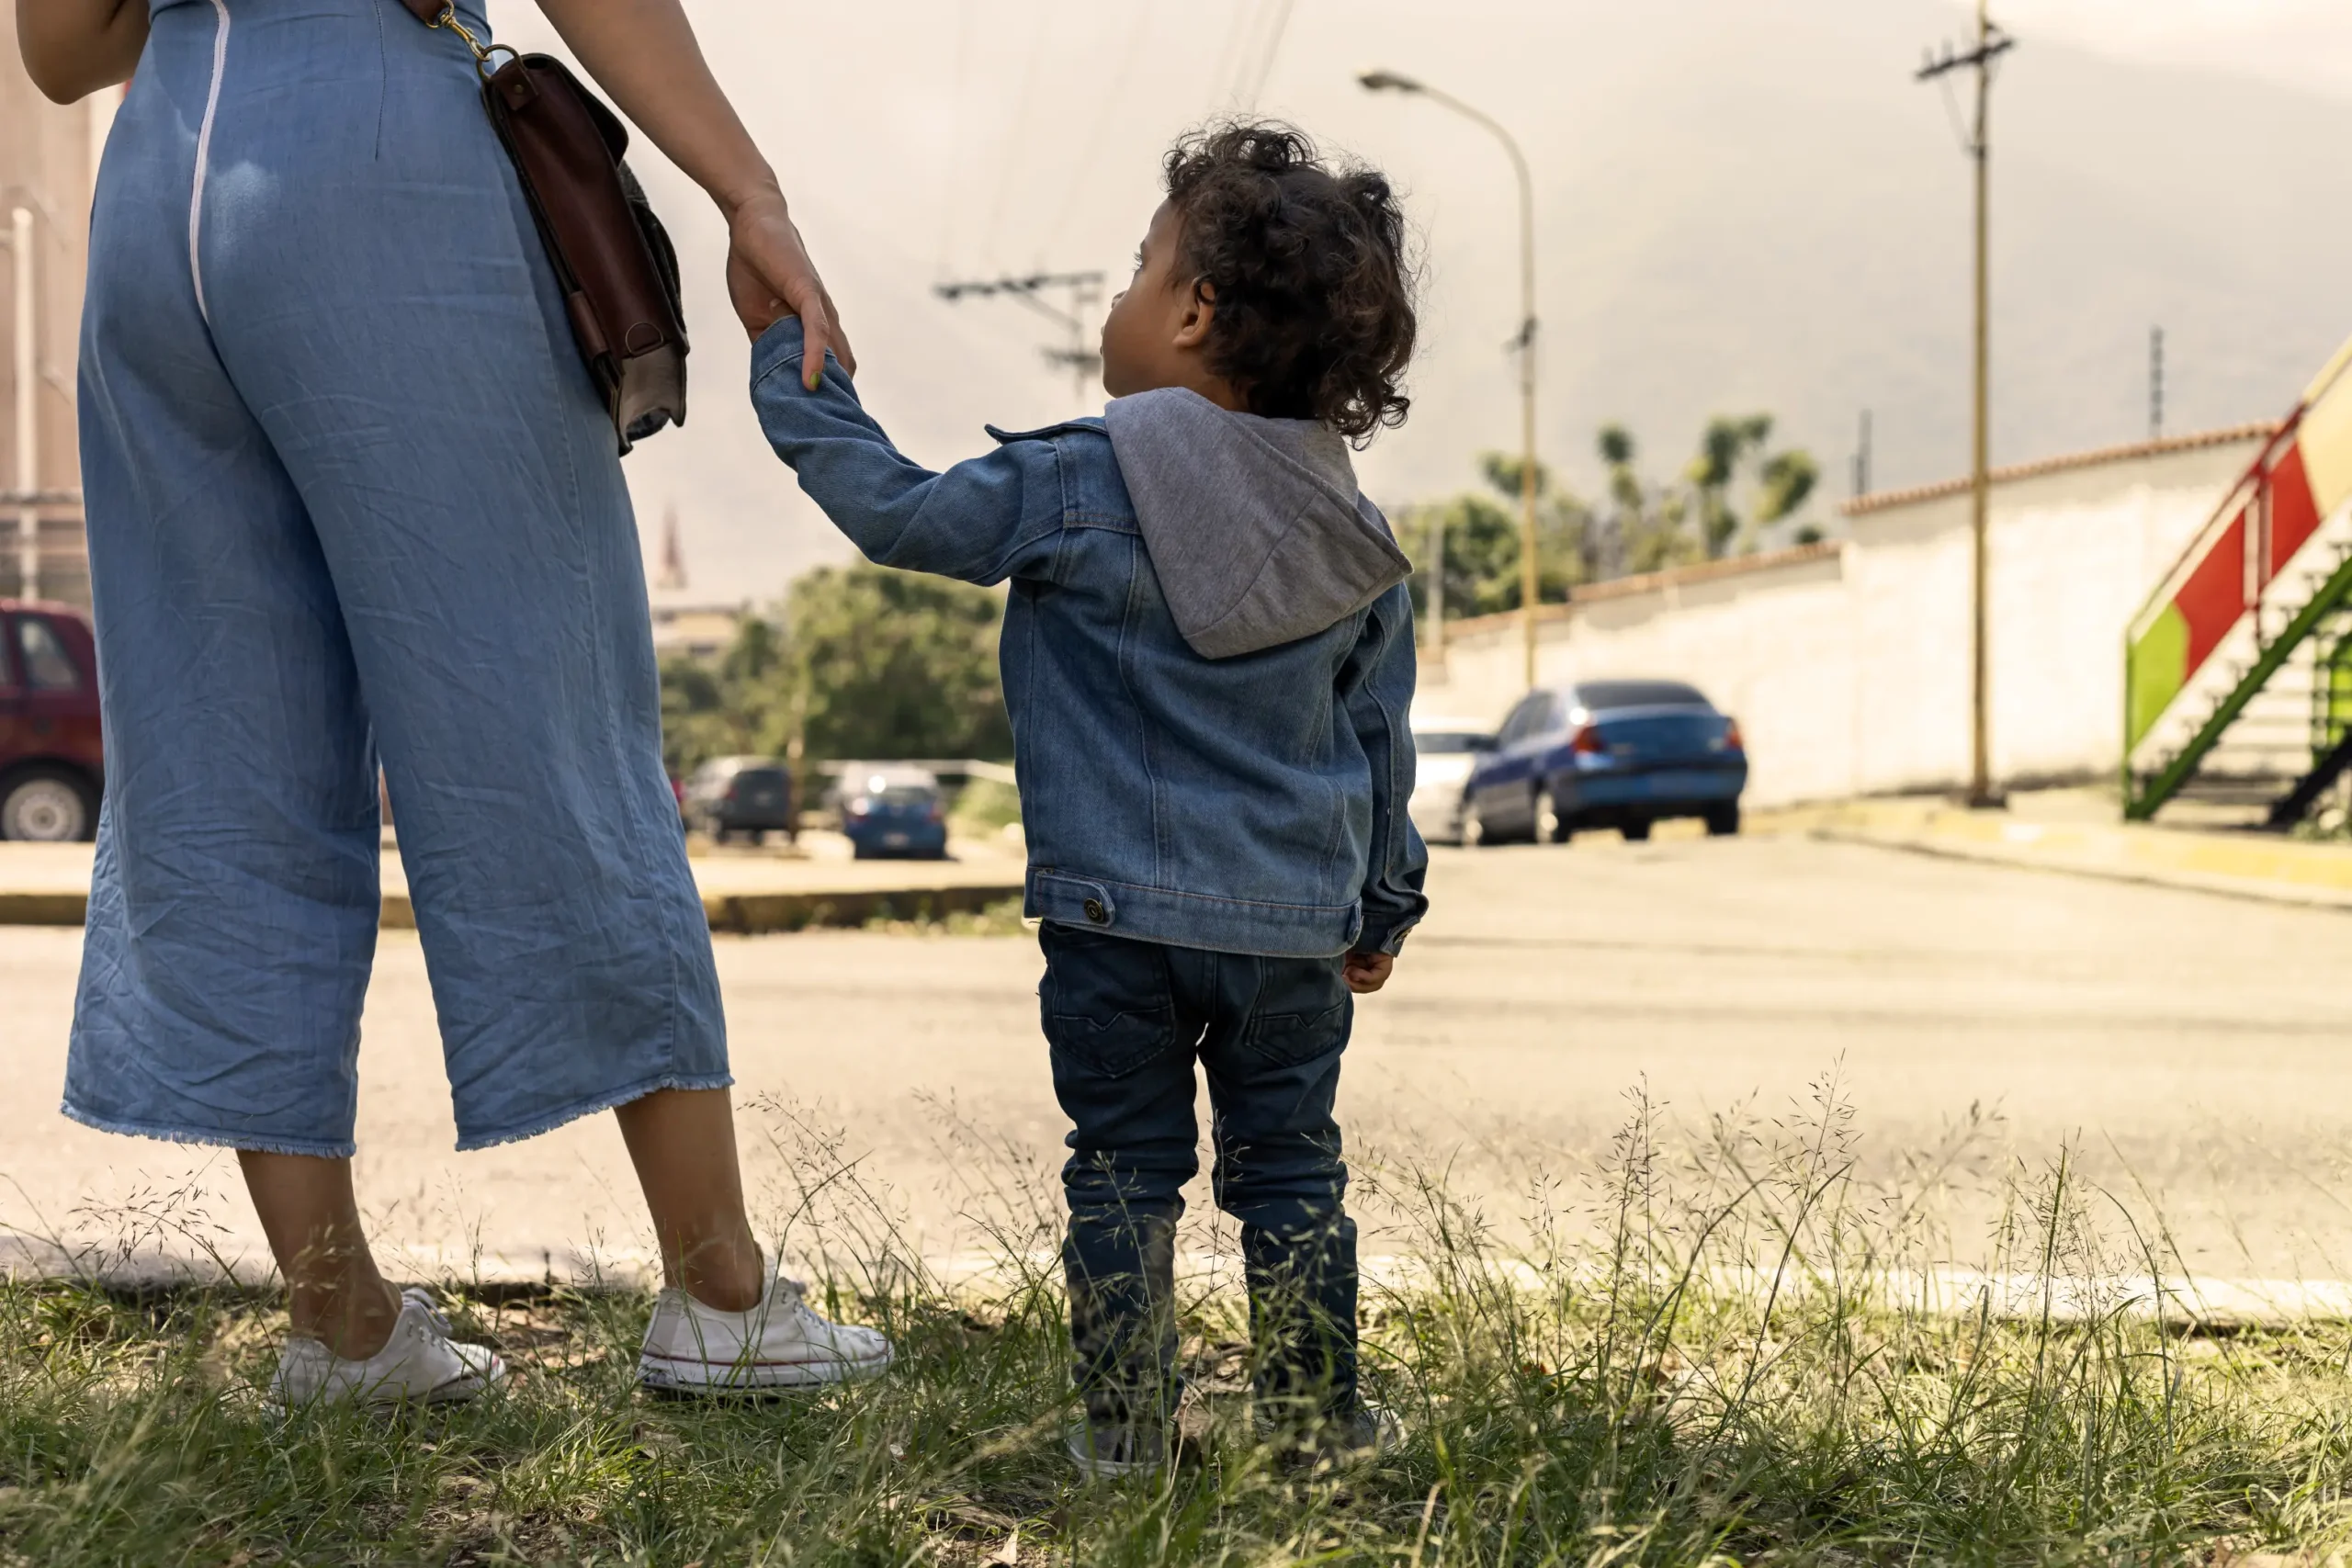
(1991, 44)
(1085, 291)
(1437, 585)
(1862, 457)
(2155, 383)
(1530, 576)
(27, 372)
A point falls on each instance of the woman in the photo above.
(352, 501)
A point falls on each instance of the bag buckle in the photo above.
(483, 53)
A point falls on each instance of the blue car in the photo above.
(893, 811)
(1618, 754)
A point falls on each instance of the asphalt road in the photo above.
(2192, 1052)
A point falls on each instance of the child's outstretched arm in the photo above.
(1377, 687)
(982, 521)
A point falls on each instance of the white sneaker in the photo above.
(780, 1343)
(419, 1363)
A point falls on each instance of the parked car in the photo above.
(52, 758)
(890, 810)
(1619, 754)
(752, 795)
(1445, 751)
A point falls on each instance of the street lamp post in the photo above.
(1530, 580)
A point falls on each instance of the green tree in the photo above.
(726, 708)
(1645, 528)
(1482, 532)
(881, 663)
(864, 663)
(1784, 480)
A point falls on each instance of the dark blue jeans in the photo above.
(1126, 1021)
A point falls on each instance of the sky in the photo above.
(922, 141)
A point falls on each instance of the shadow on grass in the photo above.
(1728, 1351)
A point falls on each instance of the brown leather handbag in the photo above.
(612, 257)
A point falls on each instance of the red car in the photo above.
(53, 759)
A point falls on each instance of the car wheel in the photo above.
(1636, 833)
(47, 805)
(1552, 824)
(1722, 821)
(759, 837)
(1474, 830)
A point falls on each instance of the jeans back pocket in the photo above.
(1303, 1011)
(1107, 1003)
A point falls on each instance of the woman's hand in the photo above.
(769, 276)
(643, 52)
(73, 48)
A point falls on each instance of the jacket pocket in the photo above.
(1303, 1010)
(1107, 1003)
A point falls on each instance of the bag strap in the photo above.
(444, 14)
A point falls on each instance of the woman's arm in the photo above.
(643, 52)
(72, 48)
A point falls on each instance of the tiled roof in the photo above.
(1888, 500)
(1651, 582)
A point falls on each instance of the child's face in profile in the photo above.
(1158, 325)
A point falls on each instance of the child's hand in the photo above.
(1367, 972)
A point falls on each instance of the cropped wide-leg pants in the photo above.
(352, 503)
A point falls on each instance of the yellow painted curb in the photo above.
(2242, 864)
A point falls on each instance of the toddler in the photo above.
(1208, 658)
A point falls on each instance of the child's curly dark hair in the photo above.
(1306, 265)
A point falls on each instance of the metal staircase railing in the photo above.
(2268, 572)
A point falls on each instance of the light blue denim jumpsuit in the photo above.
(352, 499)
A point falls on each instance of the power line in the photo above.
(1269, 52)
(951, 166)
(1232, 53)
(1085, 290)
(1007, 159)
(1139, 27)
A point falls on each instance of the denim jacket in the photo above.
(1182, 778)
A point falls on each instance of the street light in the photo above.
(1394, 81)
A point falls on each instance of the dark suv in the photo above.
(752, 795)
(51, 758)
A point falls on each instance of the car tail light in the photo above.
(935, 814)
(731, 790)
(1730, 740)
(1588, 740)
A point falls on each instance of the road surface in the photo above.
(2193, 1051)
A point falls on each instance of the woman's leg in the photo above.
(682, 1143)
(335, 1294)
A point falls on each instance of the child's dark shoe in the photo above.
(1111, 1451)
(1366, 1432)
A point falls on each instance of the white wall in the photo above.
(1847, 665)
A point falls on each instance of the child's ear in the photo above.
(1199, 315)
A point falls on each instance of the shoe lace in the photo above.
(793, 1296)
(416, 1296)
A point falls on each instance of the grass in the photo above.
(1001, 918)
(1706, 1354)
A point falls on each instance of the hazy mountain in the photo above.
(1740, 206)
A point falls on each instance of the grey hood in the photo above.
(1254, 526)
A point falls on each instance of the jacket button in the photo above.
(1096, 912)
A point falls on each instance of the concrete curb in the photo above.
(2183, 1305)
(2233, 864)
(737, 914)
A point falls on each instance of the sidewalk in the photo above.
(744, 891)
(2076, 832)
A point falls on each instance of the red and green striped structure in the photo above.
(2298, 482)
